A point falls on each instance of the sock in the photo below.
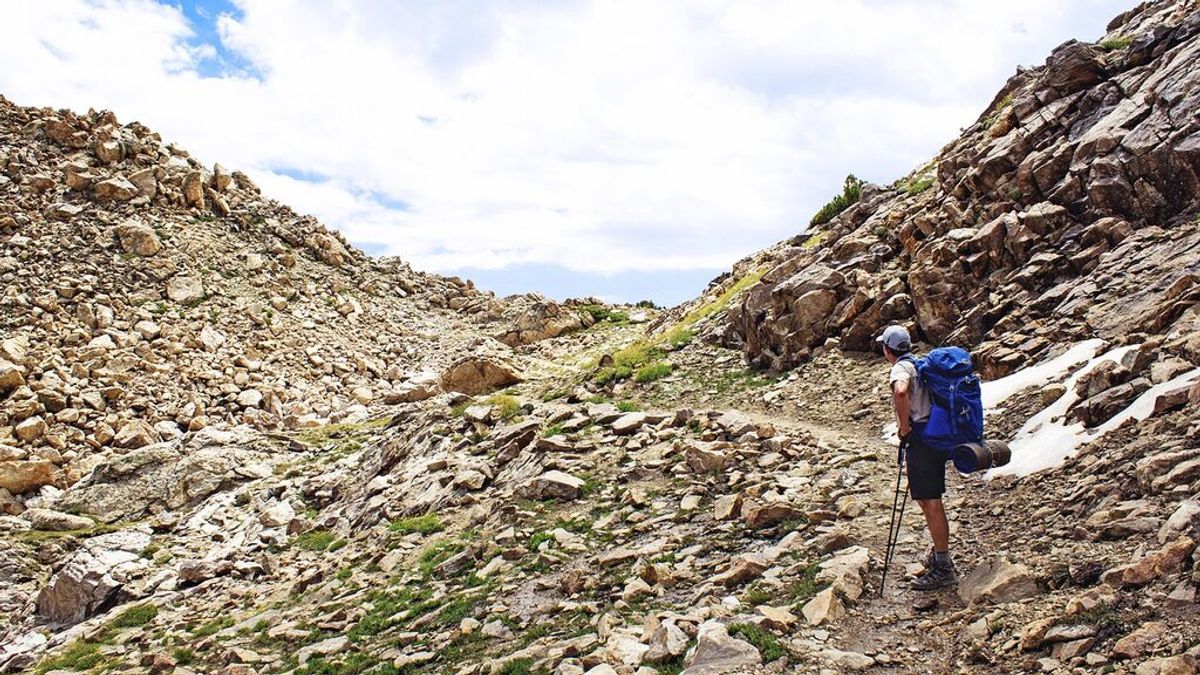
(941, 557)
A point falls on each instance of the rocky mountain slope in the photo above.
(1068, 210)
(233, 444)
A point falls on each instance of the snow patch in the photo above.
(1048, 438)
(996, 392)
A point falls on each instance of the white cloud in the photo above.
(602, 135)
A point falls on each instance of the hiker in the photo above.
(926, 467)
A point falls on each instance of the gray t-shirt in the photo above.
(918, 397)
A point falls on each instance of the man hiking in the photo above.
(926, 466)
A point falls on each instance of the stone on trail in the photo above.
(997, 580)
(824, 607)
(847, 660)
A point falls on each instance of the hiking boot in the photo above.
(938, 576)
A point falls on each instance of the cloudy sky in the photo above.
(628, 149)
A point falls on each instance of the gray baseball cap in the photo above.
(896, 338)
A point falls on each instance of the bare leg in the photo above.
(935, 520)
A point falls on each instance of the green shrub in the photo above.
(538, 538)
(552, 430)
(679, 337)
(919, 185)
(806, 585)
(756, 595)
(851, 191)
(435, 554)
(521, 666)
(137, 615)
(80, 656)
(768, 645)
(652, 371)
(628, 406)
(426, 524)
(604, 313)
(315, 540)
(183, 656)
(1116, 43)
(507, 407)
(213, 627)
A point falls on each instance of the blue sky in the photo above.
(616, 148)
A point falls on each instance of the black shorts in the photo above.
(926, 471)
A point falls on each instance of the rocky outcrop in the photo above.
(94, 578)
(544, 320)
(1073, 195)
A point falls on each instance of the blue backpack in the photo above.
(957, 412)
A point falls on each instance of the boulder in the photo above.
(115, 190)
(56, 521)
(628, 423)
(138, 238)
(759, 516)
(478, 375)
(11, 376)
(554, 485)
(185, 290)
(717, 652)
(667, 642)
(545, 320)
(824, 607)
(705, 458)
(21, 476)
(94, 577)
(997, 581)
(135, 434)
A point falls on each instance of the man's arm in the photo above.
(900, 403)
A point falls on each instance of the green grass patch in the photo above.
(213, 627)
(806, 585)
(626, 361)
(757, 594)
(919, 185)
(426, 524)
(652, 372)
(508, 408)
(851, 191)
(552, 430)
(81, 656)
(628, 406)
(814, 240)
(435, 554)
(1116, 43)
(995, 113)
(602, 313)
(183, 656)
(521, 666)
(538, 538)
(389, 609)
(768, 645)
(322, 435)
(315, 540)
(679, 337)
(137, 615)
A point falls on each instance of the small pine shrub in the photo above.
(851, 191)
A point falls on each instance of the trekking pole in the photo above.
(896, 521)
